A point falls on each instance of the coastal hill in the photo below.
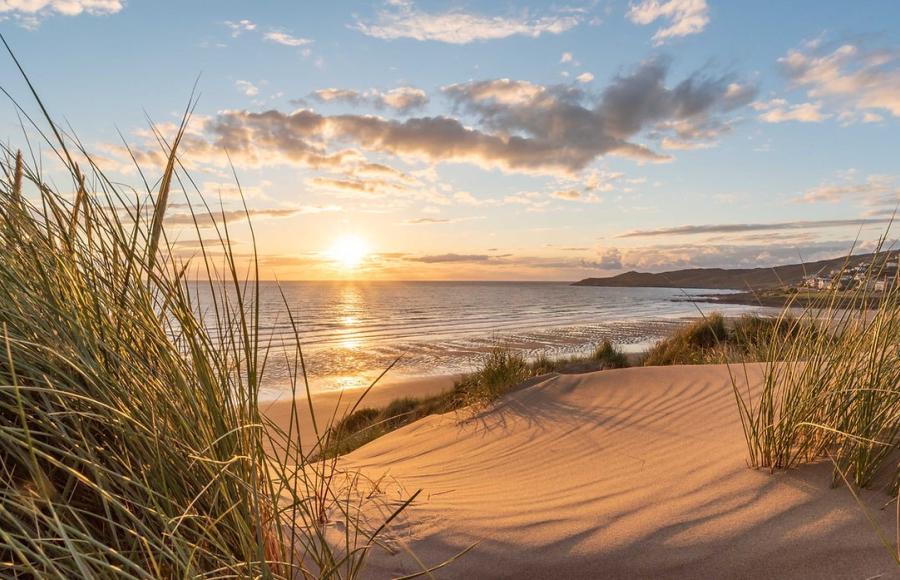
(727, 278)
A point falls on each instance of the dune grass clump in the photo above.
(131, 444)
(832, 386)
(609, 356)
(697, 343)
(713, 339)
(501, 371)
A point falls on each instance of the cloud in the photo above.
(569, 194)
(575, 195)
(247, 88)
(230, 190)
(368, 169)
(880, 194)
(673, 143)
(402, 99)
(404, 20)
(603, 180)
(533, 201)
(685, 17)
(358, 187)
(371, 182)
(281, 37)
(779, 111)
(678, 256)
(239, 27)
(30, 13)
(521, 126)
(860, 83)
(610, 259)
(584, 77)
(63, 7)
(577, 128)
(731, 228)
(566, 57)
(427, 221)
(333, 94)
(207, 220)
(449, 258)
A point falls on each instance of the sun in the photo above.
(349, 251)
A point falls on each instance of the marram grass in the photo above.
(831, 385)
(831, 389)
(131, 444)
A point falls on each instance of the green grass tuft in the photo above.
(609, 356)
(501, 371)
(713, 339)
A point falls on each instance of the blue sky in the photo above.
(479, 140)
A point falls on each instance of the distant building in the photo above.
(868, 276)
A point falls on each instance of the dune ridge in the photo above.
(615, 474)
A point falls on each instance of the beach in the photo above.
(351, 331)
(638, 472)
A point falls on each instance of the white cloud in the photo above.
(403, 99)
(860, 83)
(685, 17)
(872, 118)
(64, 7)
(575, 195)
(403, 20)
(603, 180)
(512, 126)
(532, 201)
(566, 57)
(780, 111)
(335, 94)
(878, 194)
(239, 27)
(247, 88)
(280, 37)
(584, 77)
(29, 13)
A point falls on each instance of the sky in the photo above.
(411, 140)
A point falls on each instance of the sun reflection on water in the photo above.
(350, 300)
(351, 343)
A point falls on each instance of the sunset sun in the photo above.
(349, 251)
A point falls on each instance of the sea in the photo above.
(350, 332)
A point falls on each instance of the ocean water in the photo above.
(351, 331)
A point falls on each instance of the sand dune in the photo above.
(636, 473)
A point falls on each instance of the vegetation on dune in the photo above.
(713, 339)
(609, 356)
(831, 390)
(131, 444)
(501, 371)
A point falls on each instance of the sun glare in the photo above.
(349, 251)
